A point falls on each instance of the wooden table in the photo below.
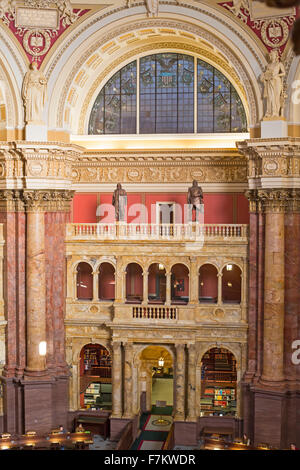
(53, 440)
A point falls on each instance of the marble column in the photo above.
(260, 294)
(292, 285)
(117, 381)
(128, 391)
(220, 288)
(35, 290)
(194, 282)
(179, 412)
(273, 291)
(120, 279)
(145, 287)
(168, 288)
(95, 286)
(191, 389)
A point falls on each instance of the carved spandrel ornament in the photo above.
(272, 79)
(34, 95)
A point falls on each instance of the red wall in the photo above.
(225, 208)
(209, 277)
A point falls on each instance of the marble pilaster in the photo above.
(128, 389)
(191, 388)
(179, 412)
(117, 380)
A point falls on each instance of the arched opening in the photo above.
(231, 284)
(218, 383)
(95, 377)
(208, 284)
(157, 284)
(106, 282)
(179, 284)
(84, 281)
(134, 283)
(157, 380)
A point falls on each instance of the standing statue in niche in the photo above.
(119, 201)
(34, 95)
(195, 199)
(272, 79)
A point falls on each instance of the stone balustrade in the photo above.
(180, 232)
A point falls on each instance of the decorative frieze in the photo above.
(161, 166)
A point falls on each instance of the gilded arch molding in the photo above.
(181, 36)
(210, 57)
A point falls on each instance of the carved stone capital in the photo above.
(11, 201)
(275, 200)
(47, 201)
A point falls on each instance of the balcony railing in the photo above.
(161, 313)
(181, 232)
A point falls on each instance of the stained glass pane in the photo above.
(114, 111)
(219, 106)
(166, 94)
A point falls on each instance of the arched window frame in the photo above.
(196, 130)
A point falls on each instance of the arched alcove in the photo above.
(134, 283)
(156, 371)
(208, 284)
(84, 281)
(218, 383)
(95, 377)
(157, 283)
(180, 284)
(106, 282)
(231, 284)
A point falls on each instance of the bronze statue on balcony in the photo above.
(195, 199)
(119, 201)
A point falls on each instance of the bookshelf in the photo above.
(98, 395)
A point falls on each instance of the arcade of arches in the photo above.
(142, 295)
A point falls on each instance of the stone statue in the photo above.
(34, 94)
(152, 7)
(195, 198)
(119, 201)
(272, 79)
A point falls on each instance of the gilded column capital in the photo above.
(47, 200)
(11, 201)
(279, 200)
(251, 195)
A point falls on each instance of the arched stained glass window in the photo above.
(159, 95)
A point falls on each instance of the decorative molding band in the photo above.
(171, 167)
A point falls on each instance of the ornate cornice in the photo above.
(37, 165)
(208, 166)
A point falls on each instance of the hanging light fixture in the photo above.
(229, 267)
(161, 362)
